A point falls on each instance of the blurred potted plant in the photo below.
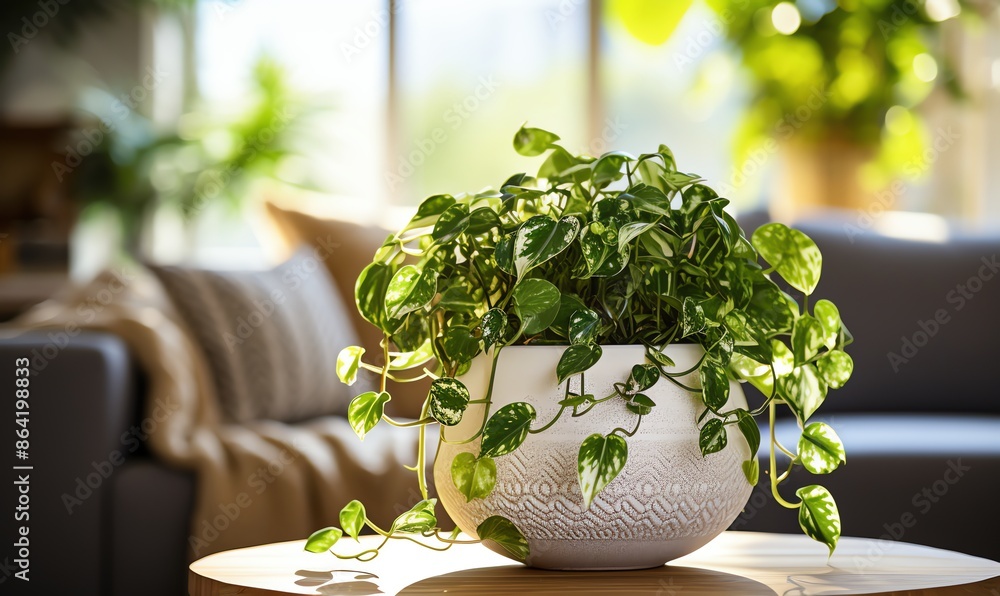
(826, 78)
(584, 330)
(209, 158)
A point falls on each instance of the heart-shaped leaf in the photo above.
(803, 391)
(751, 432)
(460, 344)
(601, 459)
(540, 239)
(818, 515)
(807, 338)
(583, 326)
(576, 359)
(533, 141)
(693, 317)
(640, 404)
(820, 449)
(429, 210)
(494, 325)
(835, 368)
(369, 293)
(714, 384)
(407, 360)
(451, 223)
(608, 167)
(506, 429)
(536, 302)
(419, 518)
(323, 540)
(504, 533)
(348, 362)
(643, 377)
(411, 288)
(449, 399)
(829, 318)
(504, 254)
(473, 477)
(352, 518)
(712, 437)
(792, 254)
(365, 411)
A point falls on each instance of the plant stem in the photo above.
(422, 452)
(397, 424)
(774, 479)
(385, 365)
(555, 419)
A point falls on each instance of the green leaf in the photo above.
(583, 326)
(494, 325)
(829, 318)
(536, 302)
(533, 141)
(802, 390)
(459, 343)
(835, 368)
(640, 404)
(352, 518)
(600, 461)
(540, 239)
(608, 168)
(660, 358)
(365, 411)
(643, 377)
(820, 449)
(458, 299)
(348, 362)
(712, 437)
(818, 515)
(419, 518)
(568, 305)
(473, 477)
(693, 317)
(714, 384)
(449, 399)
(631, 231)
(506, 429)
(323, 540)
(452, 222)
(751, 469)
(505, 534)
(504, 254)
(807, 338)
(792, 254)
(781, 358)
(410, 289)
(751, 432)
(429, 210)
(650, 199)
(576, 359)
(482, 220)
(657, 243)
(369, 293)
(415, 358)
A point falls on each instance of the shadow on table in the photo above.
(662, 581)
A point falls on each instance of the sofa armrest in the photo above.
(81, 411)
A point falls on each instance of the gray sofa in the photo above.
(923, 440)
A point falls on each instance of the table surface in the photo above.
(744, 563)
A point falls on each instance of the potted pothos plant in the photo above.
(615, 257)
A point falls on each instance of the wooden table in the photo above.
(742, 563)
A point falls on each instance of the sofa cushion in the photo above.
(346, 248)
(271, 338)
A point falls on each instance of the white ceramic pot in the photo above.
(668, 500)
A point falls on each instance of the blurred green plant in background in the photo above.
(847, 72)
(211, 156)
